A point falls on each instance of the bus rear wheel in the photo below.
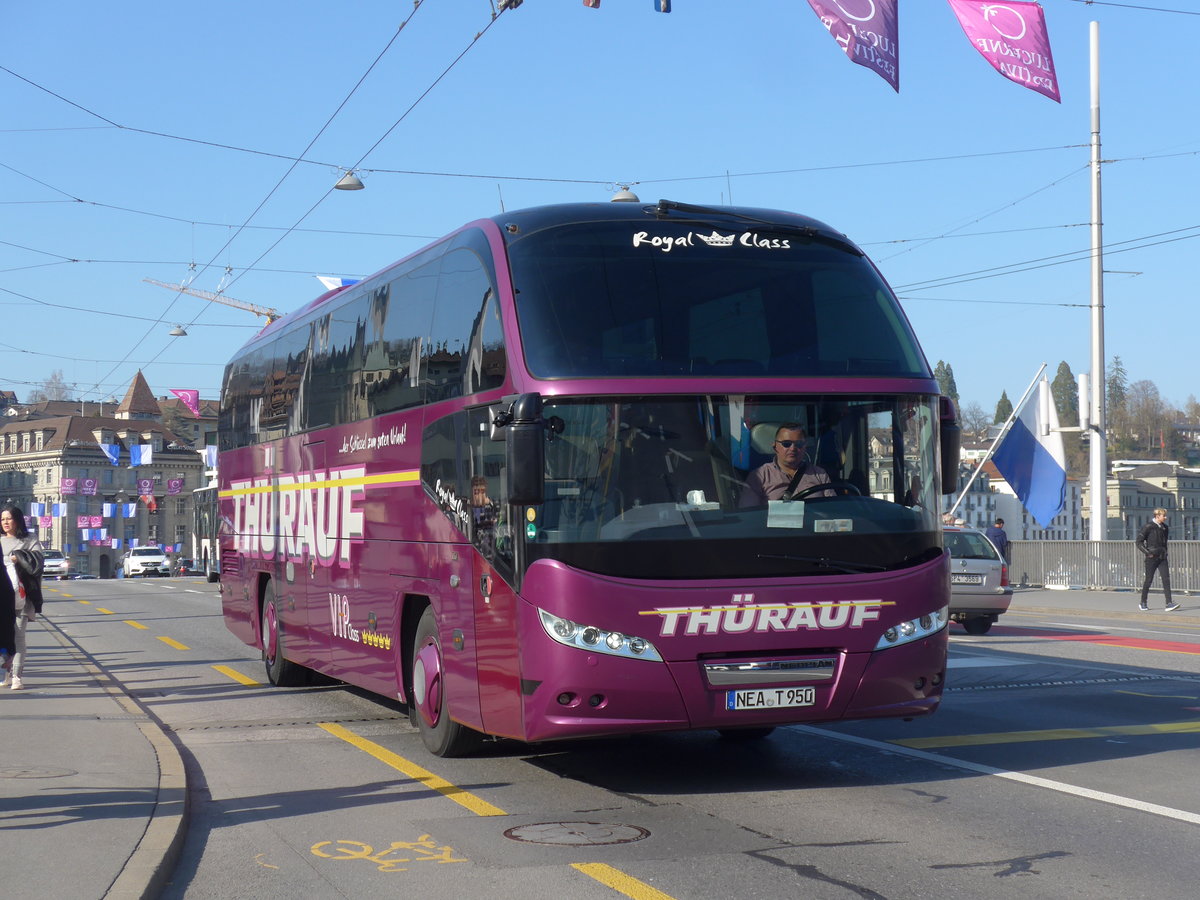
(441, 735)
(280, 672)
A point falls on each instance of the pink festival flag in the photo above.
(190, 398)
(867, 30)
(1013, 38)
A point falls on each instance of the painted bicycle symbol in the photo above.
(424, 849)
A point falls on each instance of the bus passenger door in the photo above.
(496, 603)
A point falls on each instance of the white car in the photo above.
(55, 565)
(146, 561)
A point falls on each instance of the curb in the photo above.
(149, 867)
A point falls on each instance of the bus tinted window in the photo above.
(425, 331)
(466, 353)
(597, 299)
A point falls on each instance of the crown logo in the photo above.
(716, 240)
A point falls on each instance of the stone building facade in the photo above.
(94, 508)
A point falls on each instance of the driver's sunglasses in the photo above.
(788, 444)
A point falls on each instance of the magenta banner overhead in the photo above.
(1012, 37)
(867, 31)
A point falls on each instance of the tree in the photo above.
(1150, 419)
(975, 420)
(1003, 409)
(945, 379)
(1191, 410)
(53, 388)
(1065, 392)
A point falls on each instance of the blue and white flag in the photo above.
(37, 509)
(1033, 463)
(113, 452)
(662, 5)
(129, 510)
(332, 281)
(210, 456)
(141, 454)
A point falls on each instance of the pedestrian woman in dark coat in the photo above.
(22, 554)
(8, 624)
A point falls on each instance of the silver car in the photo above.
(979, 589)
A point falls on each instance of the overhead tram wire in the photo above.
(530, 178)
(1045, 262)
(1179, 12)
(1075, 171)
(381, 139)
(270, 194)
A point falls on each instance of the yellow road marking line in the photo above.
(237, 676)
(463, 798)
(1049, 734)
(107, 612)
(620, 882)
(171, 642)
(137, 625)
(86, 602)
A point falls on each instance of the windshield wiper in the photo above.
(805, 231)
(827, 563)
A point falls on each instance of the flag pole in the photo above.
(999, 437)
(1098, 467)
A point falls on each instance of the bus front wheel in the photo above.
(280, 672)
(441, 735)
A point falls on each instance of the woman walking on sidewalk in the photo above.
(23, 561)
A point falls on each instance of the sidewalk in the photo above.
(92, 792)
(1123, 604)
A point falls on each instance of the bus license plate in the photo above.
(771, 698)
(966, 579)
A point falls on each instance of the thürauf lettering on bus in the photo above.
(319, 515)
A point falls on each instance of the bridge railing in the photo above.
(1105, 565)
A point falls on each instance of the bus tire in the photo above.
(441, 735)
(281, 672)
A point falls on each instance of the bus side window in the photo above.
(404, 324)
(466, 353)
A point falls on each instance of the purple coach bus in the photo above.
(504, 481)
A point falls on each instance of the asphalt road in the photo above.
(1059, 766)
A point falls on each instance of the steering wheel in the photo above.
(844, 487)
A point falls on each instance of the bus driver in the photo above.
(788, 474)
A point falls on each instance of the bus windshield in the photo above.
(665, 298)
(634, 485)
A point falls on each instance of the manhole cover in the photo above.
(34, 772)
(576, 833)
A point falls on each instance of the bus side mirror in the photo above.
(950, 434)
(525, 450)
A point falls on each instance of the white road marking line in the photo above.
(1153, 809)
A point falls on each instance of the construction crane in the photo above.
(269, 313)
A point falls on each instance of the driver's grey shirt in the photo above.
(769, 482)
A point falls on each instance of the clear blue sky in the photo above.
(749, 101)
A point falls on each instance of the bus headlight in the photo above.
(597, 640)
(914, 629)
